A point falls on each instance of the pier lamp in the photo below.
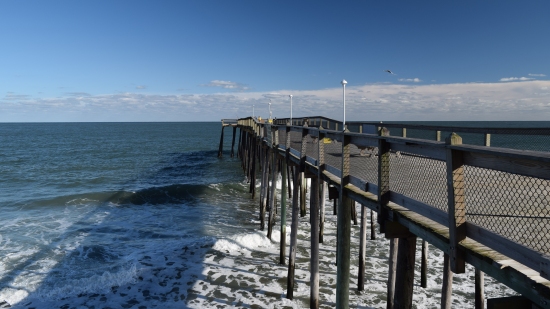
(270, 110)
(290, 109)
(344, 82)
(252, 110)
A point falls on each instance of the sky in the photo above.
(205, 60)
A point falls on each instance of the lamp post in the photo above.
(344, 82)
(270, 110)
(252, 110)
(290, 109)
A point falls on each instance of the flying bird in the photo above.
(390, 72)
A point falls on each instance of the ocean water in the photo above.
(144, 215)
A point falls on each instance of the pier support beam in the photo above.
(362, 249)
(404, 277)
(344, 231)
(293, 236)
(233, 142)
(424, 265)
(282, 249)
(392, 263)
(314, 254)
(479, 289)
(447, 289)
(220, 149)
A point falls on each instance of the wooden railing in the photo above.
(498, 198)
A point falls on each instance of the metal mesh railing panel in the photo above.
(296, 140)
(364, 164)
(521, 141)
(420, 178)
(514, 206)
(282, 136)
(333, 154)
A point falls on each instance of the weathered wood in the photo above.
(302, 170)
(344, 232)
(392, 266)
(447, 288)
(510, 302)
(404, 277)
(233, 142)
(424, 265)
(293, 237)
(303, 185)
(383, 178)
(372, 226)
(456, 204)
(272, 207)
(395, 229)
(362, 249)
(479, 294)
(314, 252)
(322, 217)
(264, 186)
(354, 213)
(253, 167)
(282, 250)
(220, 149)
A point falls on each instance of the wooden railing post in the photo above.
(383, 178)
(344, 230)
(303, 182)
(273, 144)
(320, 169)
(457, 203)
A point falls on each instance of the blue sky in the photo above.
(207, 60)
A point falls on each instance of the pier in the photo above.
(480, 195)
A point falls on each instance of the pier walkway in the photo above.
(481, 195)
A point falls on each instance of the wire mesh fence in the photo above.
(514, 206)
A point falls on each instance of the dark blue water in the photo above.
(91, 207)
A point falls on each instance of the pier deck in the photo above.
(485, 206)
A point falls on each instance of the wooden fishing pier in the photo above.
(481, 204)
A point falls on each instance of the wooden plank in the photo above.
(520, 253)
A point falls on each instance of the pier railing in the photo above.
(427, 177)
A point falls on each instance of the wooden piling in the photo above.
(479, 289)
(272, 194)
(220, 149)
(253, 168)
(322, 209)
(354, 213)
(293, 237)
(314, 254)
(362, 249)
(446, 290)
(424, 265)
(404, 276)
(392, 263)
(372, 226)
(303, 185)
(344, 231)
(233, 142)
(282, 250)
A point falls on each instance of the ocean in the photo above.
(144, 215)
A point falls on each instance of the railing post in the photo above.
(320, 169)
(457, 203)
(383, 177)
(344, 231)
(302, 171)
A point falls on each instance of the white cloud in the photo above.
(537, 75)
(141, 87)
(410, 80)
(512, 79)
(520, 100)
(226, 85)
